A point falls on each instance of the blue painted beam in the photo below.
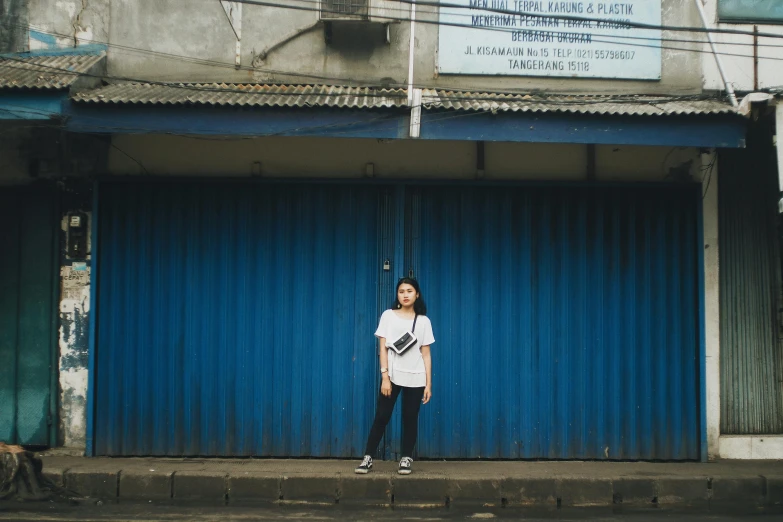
(231, 121)
(52, 50)
(31, 105)
(694, 131)
(682, 131)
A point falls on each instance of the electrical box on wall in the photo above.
(76, 236)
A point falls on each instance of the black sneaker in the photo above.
(365, 466)
(406, 464)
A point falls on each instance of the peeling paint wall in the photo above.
(68, 23)
(74, 310)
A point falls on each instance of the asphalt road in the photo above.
(146, 512)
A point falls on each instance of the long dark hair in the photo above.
(418, 306)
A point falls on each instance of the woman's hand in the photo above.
(427, 395)
(386, 386)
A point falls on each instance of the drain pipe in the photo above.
(414, 98)
(718, 61)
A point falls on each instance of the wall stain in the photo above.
(13, 33)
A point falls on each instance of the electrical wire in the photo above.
(554, 99)
(270, 71)
(707, 171)
(392, 124)
(528, 31)
(487, 95)
(558, 17)
(329, 78)
(636, 25)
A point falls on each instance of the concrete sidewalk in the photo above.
(433, 483)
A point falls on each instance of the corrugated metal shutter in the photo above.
(27, 313)
(751, 350)
(237, 319)
(566, 321)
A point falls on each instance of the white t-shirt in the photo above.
(407, 369)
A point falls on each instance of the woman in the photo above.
(409, 373)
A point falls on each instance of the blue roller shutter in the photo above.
(236, 319)
(566, 321)
(28, 314)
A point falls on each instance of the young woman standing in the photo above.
(409, 373)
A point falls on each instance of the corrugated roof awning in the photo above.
(246, 95)
(261, 95)
(383, 113)
(36, 86)
(58, 72)
(614, 105)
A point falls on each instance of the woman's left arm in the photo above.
(425, 354)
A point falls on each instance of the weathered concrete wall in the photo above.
(74, 307)
(68, 23)
(74, 346)
(347, 158)
(13, 31)
(194, 41)
(737, 53)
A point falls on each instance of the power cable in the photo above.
(534, 31)
(624, 23)
(627, 23)
(469, 26)
(351, 80)
(554, 99)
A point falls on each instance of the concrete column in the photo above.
(710, 169)
(74, 347)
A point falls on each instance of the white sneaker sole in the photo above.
(403, 472)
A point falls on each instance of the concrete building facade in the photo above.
(262, 93)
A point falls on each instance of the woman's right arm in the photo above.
(383, 354)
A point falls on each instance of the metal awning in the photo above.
(245, 95)
(384, 113)
(615, 105)
(264, 95)
(59, 72)
(37, 86)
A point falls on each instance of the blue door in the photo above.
(238, 319)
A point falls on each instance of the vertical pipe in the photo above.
(93, 321)
(703, 446)
(755, 57)
(412, 45)
(779, 138)
(718, 61)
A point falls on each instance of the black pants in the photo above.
(411, 402)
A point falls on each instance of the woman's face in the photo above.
(406, 295)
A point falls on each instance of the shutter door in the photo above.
(237, 319)
(28, 289)
(566, 321)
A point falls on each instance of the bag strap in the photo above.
(413, 330)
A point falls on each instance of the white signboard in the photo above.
(543, 38)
